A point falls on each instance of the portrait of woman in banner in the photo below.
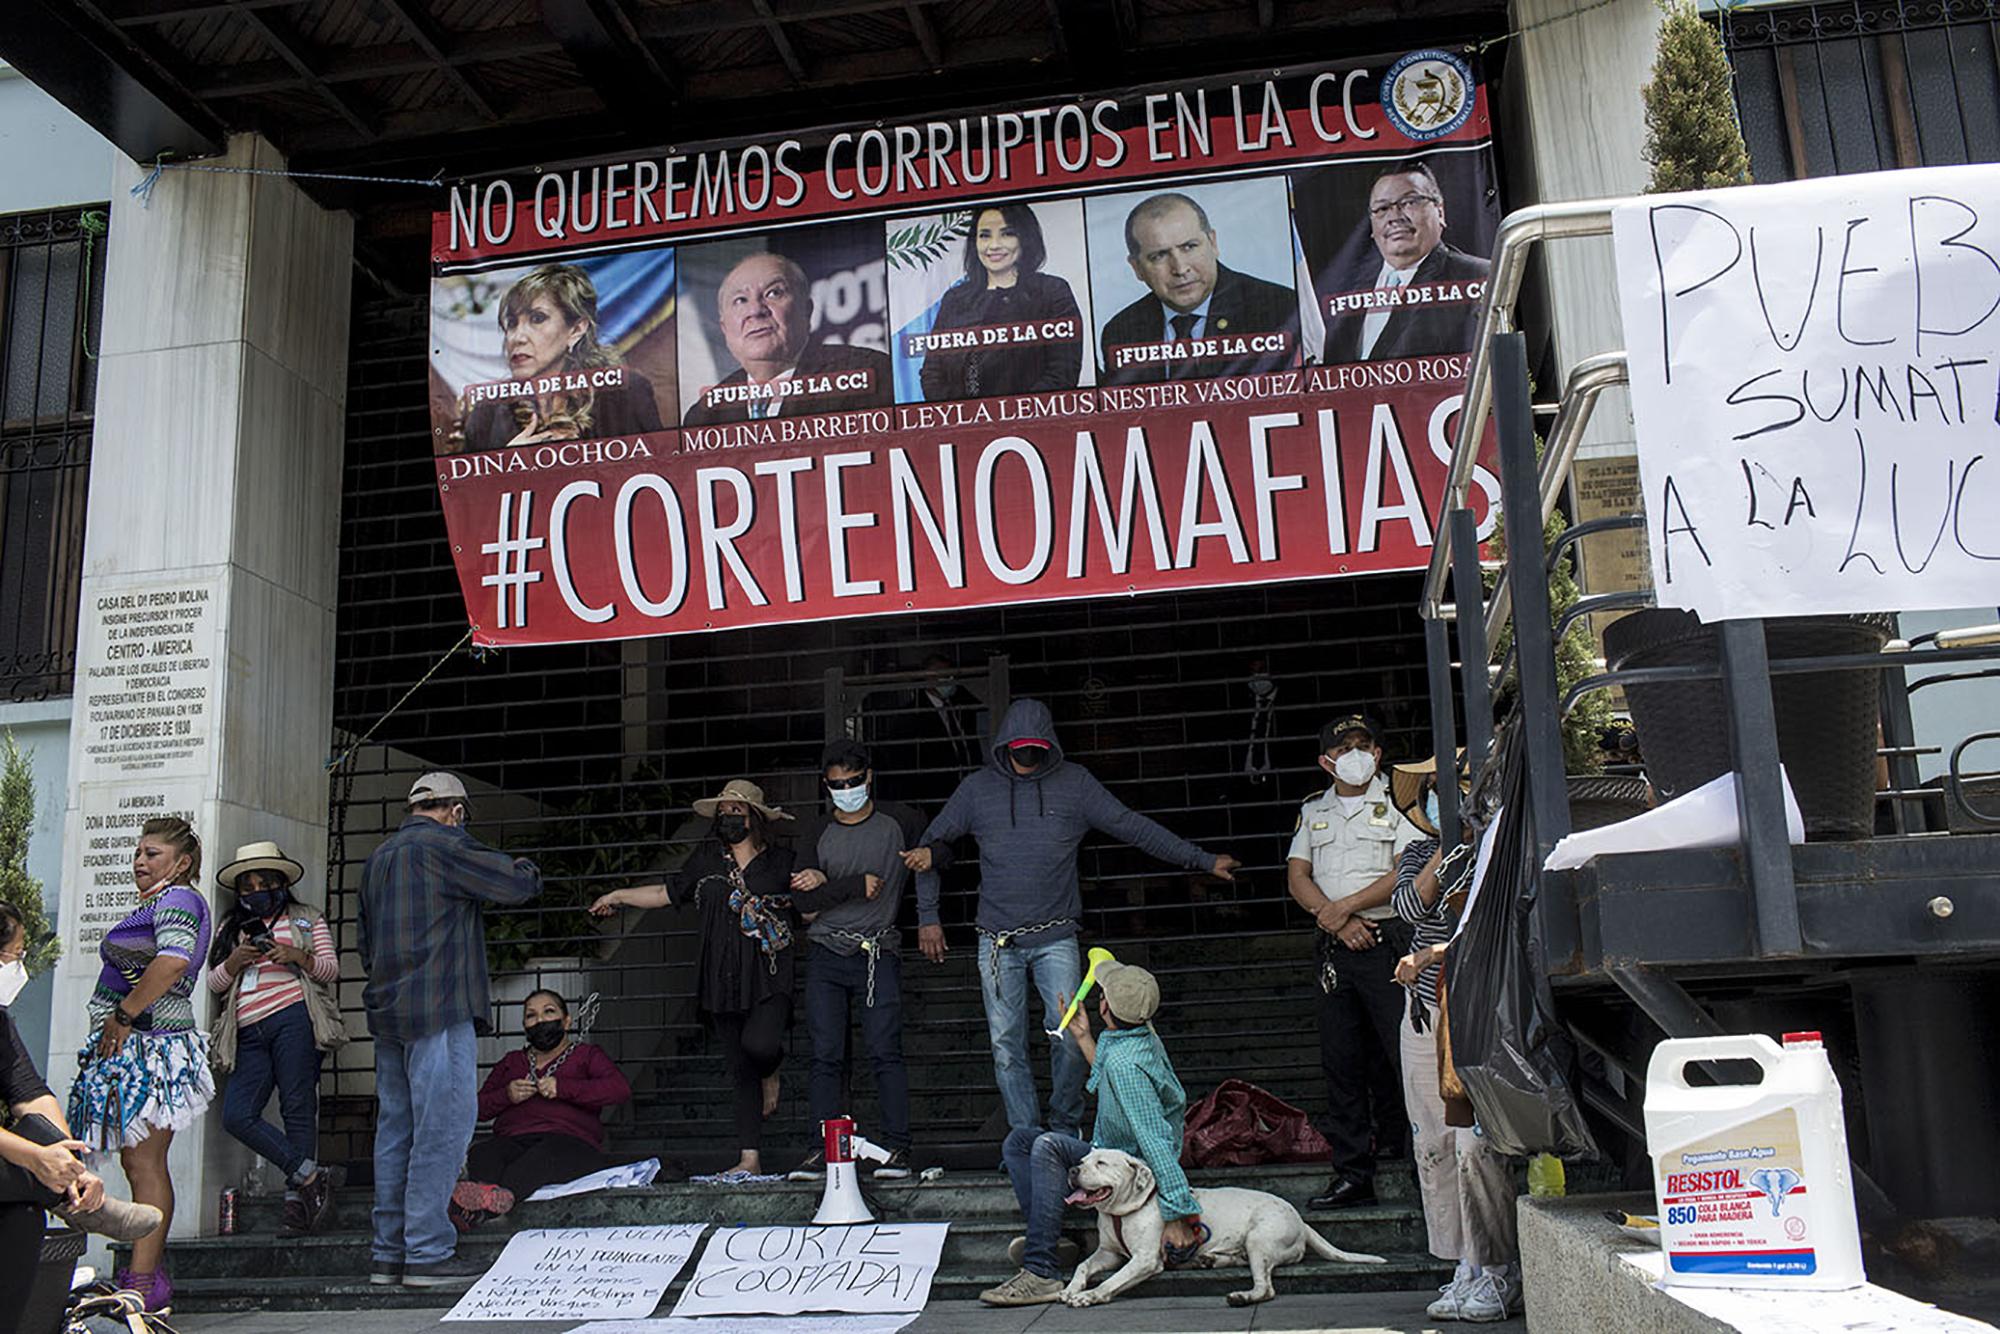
(581, 351)
(1006, 325)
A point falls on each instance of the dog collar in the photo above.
(1118, 1220)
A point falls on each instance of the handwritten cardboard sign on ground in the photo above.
(1816, 389)
(582, 1273)
(790, 1270)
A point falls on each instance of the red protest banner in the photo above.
(1209, 334)
(1086, 493)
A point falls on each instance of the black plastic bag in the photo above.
(1509, 1050)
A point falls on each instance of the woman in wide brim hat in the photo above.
(265, 856)
(1410, 784)
(741, 884)
(272, 971)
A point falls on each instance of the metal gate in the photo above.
(1865, 85)
(585, 758)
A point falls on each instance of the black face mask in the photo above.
(545, 1036)
(732, 829)
(262, 902)
(1030, 757)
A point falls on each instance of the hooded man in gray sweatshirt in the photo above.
(1029, 810)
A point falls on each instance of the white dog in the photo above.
(1246, 1227)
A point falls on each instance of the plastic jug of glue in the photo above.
(1752, 1180)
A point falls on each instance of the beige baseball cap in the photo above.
(1131, 991)
(438, 786)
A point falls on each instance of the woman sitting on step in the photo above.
(545, 1101)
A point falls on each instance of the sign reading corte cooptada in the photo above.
(1816, 388)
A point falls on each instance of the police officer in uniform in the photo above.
(1342, 869)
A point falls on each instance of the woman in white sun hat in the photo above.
(741, 883)
(272, 970)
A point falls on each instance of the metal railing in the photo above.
(1498, 390)
(1520, 232)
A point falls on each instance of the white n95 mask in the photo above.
(13, 977)
(1354, 767)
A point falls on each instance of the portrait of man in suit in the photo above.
(1193, 297)
(766, 309)
(1406, 221)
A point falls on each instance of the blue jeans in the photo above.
(427, 1103)
(834, 983)
(276, 1052)
(1039, 1163)
(1004, 974)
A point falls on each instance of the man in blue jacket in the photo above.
(1029, 810)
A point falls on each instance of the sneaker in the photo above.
(896, 1169)
(1024, 1289)
(457, 1272)
(298, 1218)
(1484, 1301)
(1507, 1280)
(385, 1273)
(317, 1196)
(120, 1220)
(812, 1169)
(1450, 1301)
(156, 1289)
(1067, 1252)
(466, 1220)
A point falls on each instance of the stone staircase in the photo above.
(256, 1270)
(1236, 1006)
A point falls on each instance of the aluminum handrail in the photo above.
(1519, 233)
(1588, 380)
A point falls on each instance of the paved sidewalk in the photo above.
(1308, 1313)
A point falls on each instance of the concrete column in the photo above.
(205, 659)
(1585, 128)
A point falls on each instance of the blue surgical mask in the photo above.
(1431, 808)
(848, 800)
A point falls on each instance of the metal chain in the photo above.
(870, 946)
(1002, 939)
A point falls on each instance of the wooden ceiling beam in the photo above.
(926, 33)
(780, 42)
(613, 59)
(713, 16)
(291, 46)
(435, 44)
(379, 62)
(144, 13)
(731, 102)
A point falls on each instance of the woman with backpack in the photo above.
(272, 970)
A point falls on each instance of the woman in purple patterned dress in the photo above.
(145, 1074)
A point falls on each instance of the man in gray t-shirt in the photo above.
(856, 948)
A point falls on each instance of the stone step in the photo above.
(973, 1245)
(956, 1196)
(1403, 1272)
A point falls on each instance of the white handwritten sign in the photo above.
(581, 1273)
(1816, 387)
(755, 1324)
(789, 1270)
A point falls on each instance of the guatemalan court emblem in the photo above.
(1428, 94)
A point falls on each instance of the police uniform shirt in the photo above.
(1352, 843)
